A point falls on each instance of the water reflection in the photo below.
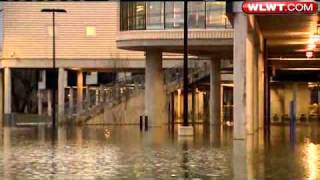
(312, 161)
(128, 153)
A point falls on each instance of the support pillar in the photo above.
(179, 114)
(49, 102)
(193, 100)
(101, 94)
(88, 96)
(239, 74)
(261, 76)
(7, 92)
(71, 101)
(97, 96)
(215, 93)
(39, 102)
(246, 43)
(80, 89)
(61, 90)
(172, 108)
(155, 97)
(1, 99)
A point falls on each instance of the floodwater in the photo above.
(124, 152)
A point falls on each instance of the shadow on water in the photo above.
(125, 152)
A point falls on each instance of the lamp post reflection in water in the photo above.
(312, 159)
(293, 116)
(185, 160)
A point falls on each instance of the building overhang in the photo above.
(200, 41)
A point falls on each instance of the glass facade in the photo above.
(174, 14)
(154, 12)
(153, 15)
(133, 15)
(196, 14)
(215, 14)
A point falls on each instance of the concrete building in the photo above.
(235, 51)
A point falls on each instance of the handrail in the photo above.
(123, 89)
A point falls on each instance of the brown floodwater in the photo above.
(124, 152)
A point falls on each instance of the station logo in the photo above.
(277, 7)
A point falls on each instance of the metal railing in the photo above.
(96, 99)
(121, 90)
(174, 76)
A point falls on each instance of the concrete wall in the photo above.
(282, 94)
(125, 113)
(26, 30)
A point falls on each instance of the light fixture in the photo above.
(314, 39)
(309, 54)
(311, 46)
(139, 8)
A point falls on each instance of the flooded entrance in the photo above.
(124, 152)
(294, 95)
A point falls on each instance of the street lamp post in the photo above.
(185, 65)
(53, 11)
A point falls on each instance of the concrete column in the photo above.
(239, 74)
(61, 90)
(179, 105)
(97, 96)
(193, 114)
(7, 91)
(49, 103)
(1, 99)
(246, 104)
(201, 105)
(172, 108)
(80, 89)
(255, 83)
(250, 86)
(39, 102)
(71, 101)
(155, 97)
(101, 94)
(215, 93)
(261, 75)
(88, 95)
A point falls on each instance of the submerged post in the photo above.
(53, 11)
(185, 129)
(185, 65)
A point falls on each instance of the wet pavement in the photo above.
(123, 152)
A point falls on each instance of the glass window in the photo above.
(174, 14)
(140, 15)
(90, 31)
(216, 14)
(131, 16)
(196, 14)
(124, 16)
(155, 19)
